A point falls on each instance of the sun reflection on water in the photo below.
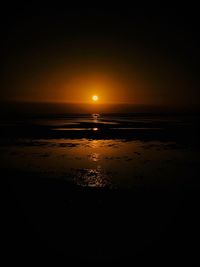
(94, 157)
(92, 177)
(94, 143)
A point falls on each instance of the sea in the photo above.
(114, 150)
(100, 186)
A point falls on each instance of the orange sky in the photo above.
(70, 84)
(113, 82)
(123, 56)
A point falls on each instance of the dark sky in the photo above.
(146, 55)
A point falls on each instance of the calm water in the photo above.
(99, 151)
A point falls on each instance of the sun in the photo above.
(95, 98)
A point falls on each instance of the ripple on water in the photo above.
(92, 177)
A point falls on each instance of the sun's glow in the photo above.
(95, 98)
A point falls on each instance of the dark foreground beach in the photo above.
(120, 189)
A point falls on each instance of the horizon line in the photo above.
(91, 104)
